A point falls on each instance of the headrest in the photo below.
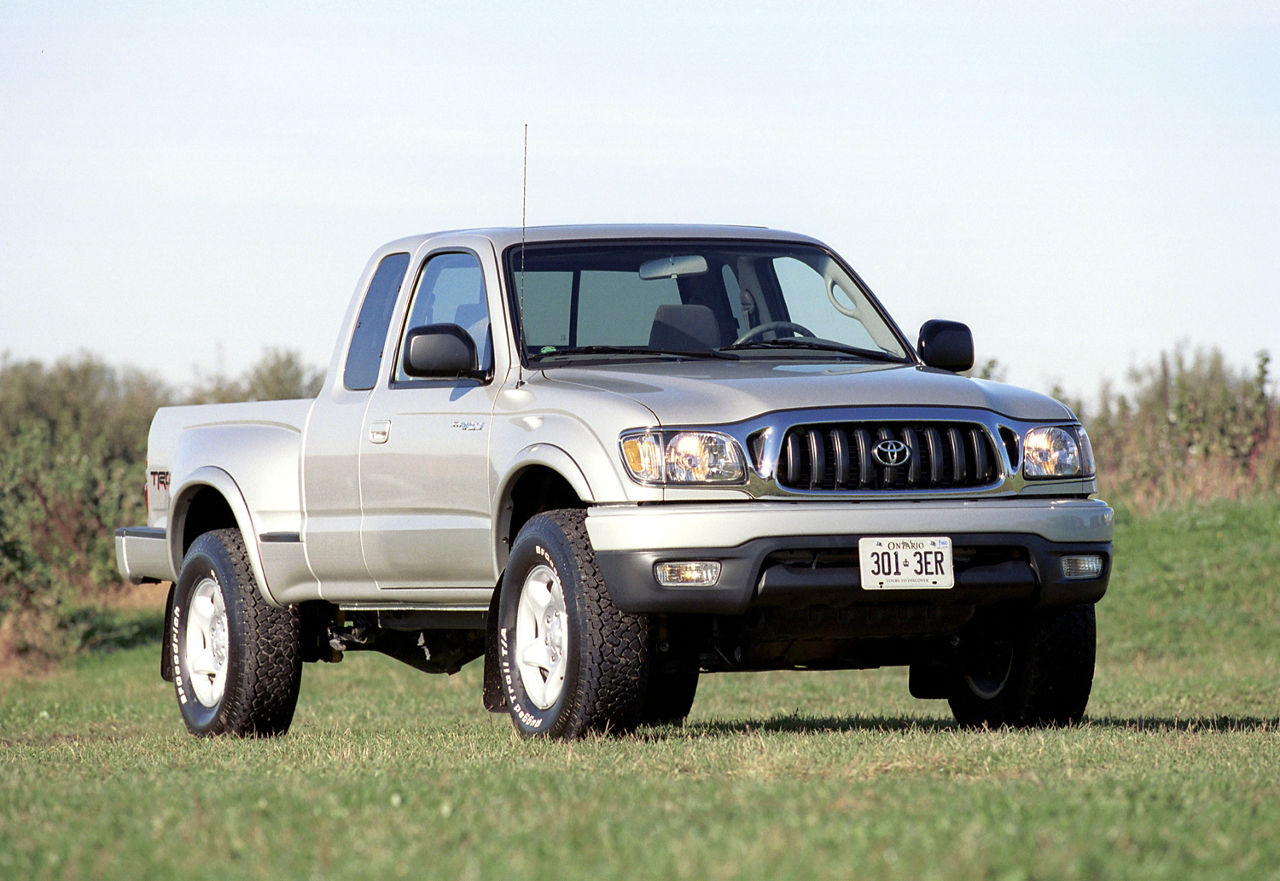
(684, 329)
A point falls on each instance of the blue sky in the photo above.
(185, 186)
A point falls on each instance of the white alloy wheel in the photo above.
(569, 660)
(237, 660)
(542, 637)
(206, 645)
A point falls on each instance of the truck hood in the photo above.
(707, 392)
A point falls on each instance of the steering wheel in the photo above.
(761, 329)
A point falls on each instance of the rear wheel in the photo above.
(1033, 671)
(236, 659)
(570, 661)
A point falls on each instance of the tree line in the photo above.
(74, 434)
(72, 470)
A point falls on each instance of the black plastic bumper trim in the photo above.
(150, 532)
(746, 581)
(279, 537)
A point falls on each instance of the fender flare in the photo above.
(555, 458)
(542, 455)
(212, 477)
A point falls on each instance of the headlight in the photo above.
(682, 457)
(1057, 452)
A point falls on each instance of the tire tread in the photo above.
(1050, 679)
(607, 689)
(260, 700)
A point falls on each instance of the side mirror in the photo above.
(440, 351)
(947, 345)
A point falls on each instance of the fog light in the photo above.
(1083, 566)
(690, 573)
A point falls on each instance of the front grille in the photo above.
(839, 456)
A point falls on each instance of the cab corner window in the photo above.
(364, 354)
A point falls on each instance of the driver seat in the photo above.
(684, 329)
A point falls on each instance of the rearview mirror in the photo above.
(673, 267)
(947, 345)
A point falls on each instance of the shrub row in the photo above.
(71, 471)
(71, 468)
(1190, 429)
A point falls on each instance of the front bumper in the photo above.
(797, 554)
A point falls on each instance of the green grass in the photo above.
(389, 773)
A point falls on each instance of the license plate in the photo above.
(906, 563)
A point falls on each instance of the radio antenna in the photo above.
(524, 208)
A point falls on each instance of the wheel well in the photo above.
(206, 511)
(535, 490)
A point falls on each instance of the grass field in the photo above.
(389, 773)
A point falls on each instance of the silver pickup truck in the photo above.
(608, 459)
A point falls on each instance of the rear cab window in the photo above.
(364, 354)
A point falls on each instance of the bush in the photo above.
(71, 472)
(278, 376)
(62, 495)
(1192, 429)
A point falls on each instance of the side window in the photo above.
(810, 303)
(364, 355)
(450, 290)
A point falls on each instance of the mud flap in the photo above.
(929, 681)
(495, 696)
(166, 652)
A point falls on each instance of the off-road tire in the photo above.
(261, 666)
(604, 662)
(1050, 659)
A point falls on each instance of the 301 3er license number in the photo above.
(906, 563)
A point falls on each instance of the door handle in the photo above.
(380, 432)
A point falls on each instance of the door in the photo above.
(424, 463)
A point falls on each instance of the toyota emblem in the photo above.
(891, 453)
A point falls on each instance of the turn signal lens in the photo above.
(643, 456)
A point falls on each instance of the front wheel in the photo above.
(237, 660)
(570, 661)
(1036, 671)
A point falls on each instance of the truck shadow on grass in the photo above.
(794, 724)
(1193, 724)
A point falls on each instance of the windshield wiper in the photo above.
(820, 345)
(637, 350)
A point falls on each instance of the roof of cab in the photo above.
(505, 237)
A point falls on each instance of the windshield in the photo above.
(691, 299)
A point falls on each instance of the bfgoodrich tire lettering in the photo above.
(1036, 671)
(236, 659)
(570, 662)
